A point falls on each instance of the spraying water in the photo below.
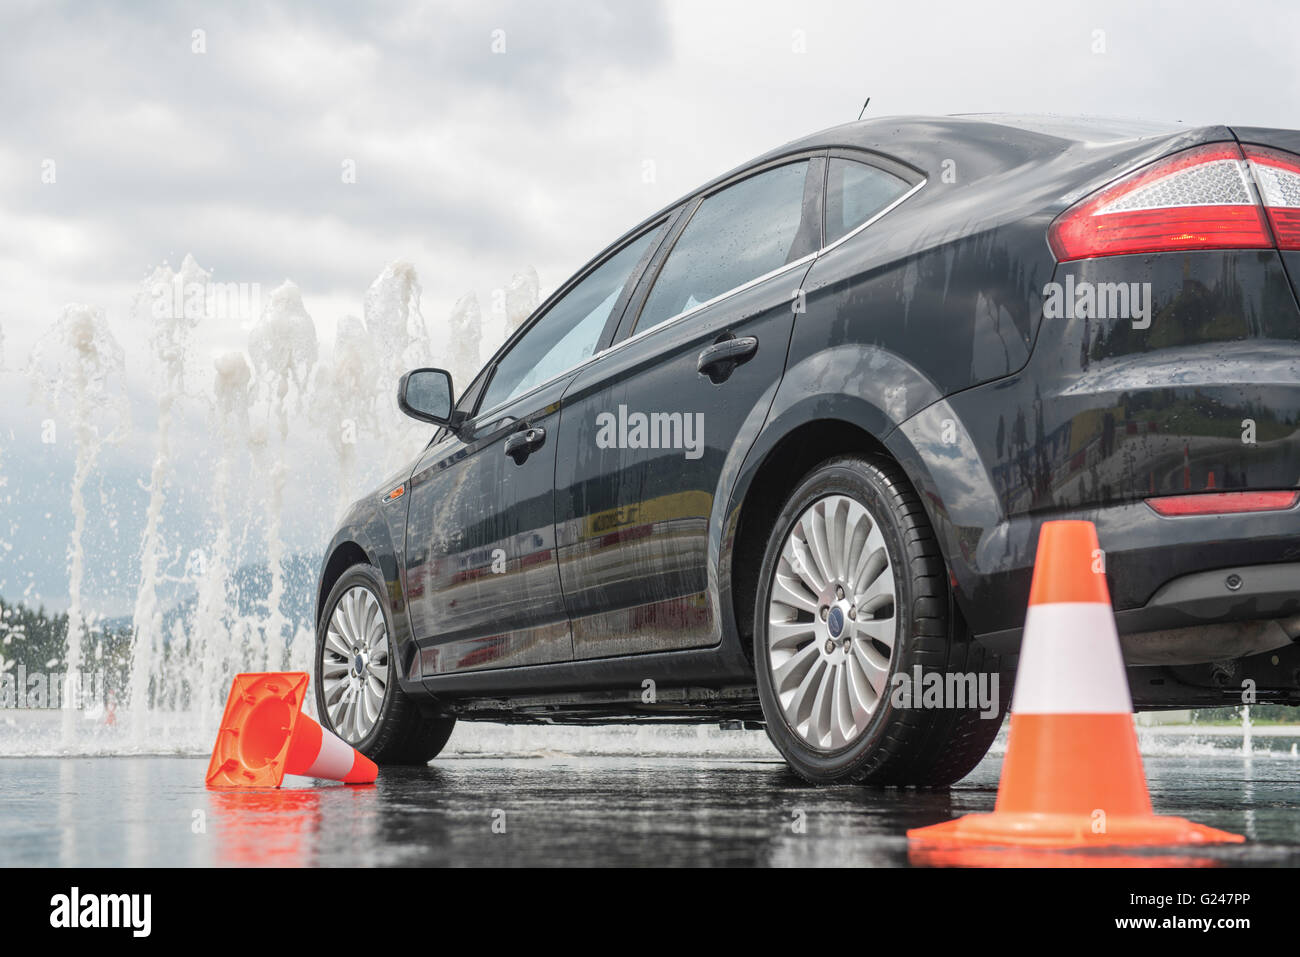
(401, 340)
(170, 328)
(393, 319)
(78, 369)
(220, 635)
(284, 349)
(180, 667)
(343, 402)
(3, 481)
(466, 328)
(521, 298)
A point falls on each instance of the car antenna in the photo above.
(864, 108)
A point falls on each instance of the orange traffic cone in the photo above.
(1072, 776)
(264, 735)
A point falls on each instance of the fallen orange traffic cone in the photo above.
(264, 735)
(1072, 775)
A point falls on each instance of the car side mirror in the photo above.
(426, 394)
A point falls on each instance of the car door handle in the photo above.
(524, 443)
(719, 360)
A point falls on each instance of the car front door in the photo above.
(654, 429)
(483, 584)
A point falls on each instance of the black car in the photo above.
(778, 456)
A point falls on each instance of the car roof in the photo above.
(910, 138)
(1080, 129)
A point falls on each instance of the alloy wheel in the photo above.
(354, 664)
(832, 626)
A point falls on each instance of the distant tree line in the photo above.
(36, 641)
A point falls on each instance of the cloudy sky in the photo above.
(474, 163)
(491, 136)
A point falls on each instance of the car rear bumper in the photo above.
(1172, 582)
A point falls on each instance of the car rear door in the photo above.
(654, 430)
(482, 580)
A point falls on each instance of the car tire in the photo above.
(402, 733)
(886, 743)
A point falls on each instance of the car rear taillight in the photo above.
(1197, 199)
(1223, 503)
(1278, 176)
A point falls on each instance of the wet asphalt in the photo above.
(579, 810)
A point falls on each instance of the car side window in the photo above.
(854, 193)
(569, 331)
(737, 234)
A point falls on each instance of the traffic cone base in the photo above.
(934, 855)
(264, 735)
(1060, 831)
(1072, 776)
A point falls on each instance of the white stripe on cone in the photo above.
(334, 760)
(1070, 662)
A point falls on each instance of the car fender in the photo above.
(376, 525)
(865, 386)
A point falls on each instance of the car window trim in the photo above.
(682, 316)
(885, 164)
(826, 188)
(632, 312)
(861, 226)
(664, 225)
(676, 222)
(809, 157)
(811, 232)
(916, 187)
(767, 276)
(615, 346)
